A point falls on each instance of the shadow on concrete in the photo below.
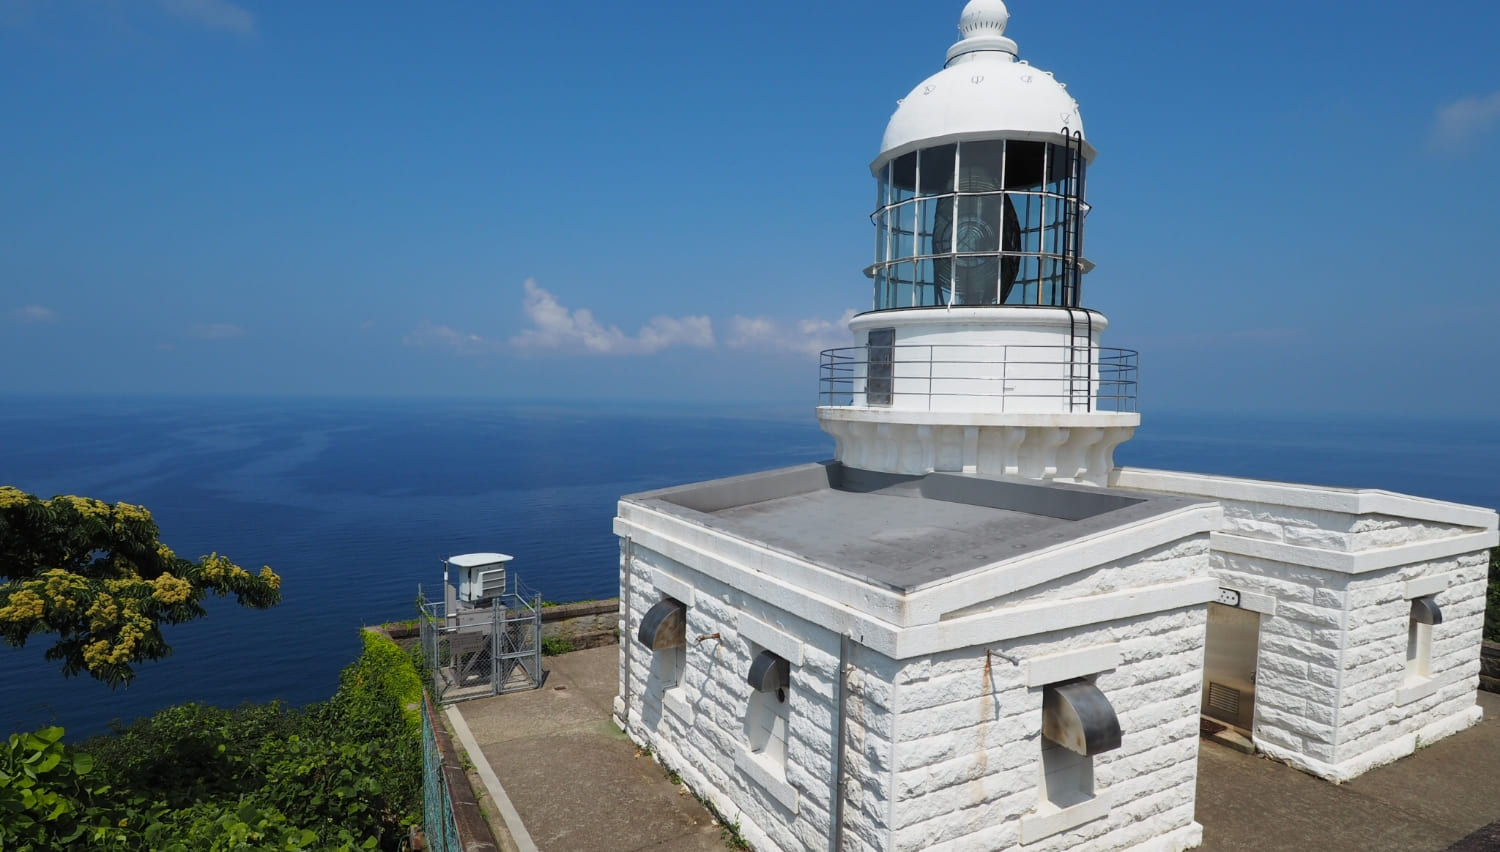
(579, 785)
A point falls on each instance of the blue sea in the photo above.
(356, 503)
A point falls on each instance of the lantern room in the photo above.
(980, 182)
(978, 353)
(982, 222)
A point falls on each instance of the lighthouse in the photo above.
(971, 629)
(979, 353)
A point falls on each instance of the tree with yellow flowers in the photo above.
(96, 576)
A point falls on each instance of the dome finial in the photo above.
(982, 26)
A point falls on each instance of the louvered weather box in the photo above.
(478, 576)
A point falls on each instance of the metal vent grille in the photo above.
(1224, 699)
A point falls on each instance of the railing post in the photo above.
(931, 355)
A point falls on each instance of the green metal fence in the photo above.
(437, 801)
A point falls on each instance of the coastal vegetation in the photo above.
(343, 774)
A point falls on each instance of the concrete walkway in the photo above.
(576, 784)
(1425, 801)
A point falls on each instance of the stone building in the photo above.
(970, 630)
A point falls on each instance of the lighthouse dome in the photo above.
(983, 92)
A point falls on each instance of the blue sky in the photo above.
(1294, 203)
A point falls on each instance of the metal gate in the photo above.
(473, 652)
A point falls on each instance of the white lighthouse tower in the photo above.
(979, 354)
(926, 644)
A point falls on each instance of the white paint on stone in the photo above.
(1342, 565)
(1070, 664)
(1422, 587)
(941, 732)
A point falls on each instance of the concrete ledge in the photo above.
(1349, 501)
(1416, 690)
(778, 642)
(1421, 587)
(1254, 601)
(1042, 824)
(673, 587)
(777, 788)
(676, 704)
(1041, 671)
(1345, 562)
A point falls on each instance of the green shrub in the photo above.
(47, 800)
(554, 645)
(345, 774)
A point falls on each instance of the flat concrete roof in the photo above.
(904, 532)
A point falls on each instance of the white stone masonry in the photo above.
(1334, 573)
(943, 747)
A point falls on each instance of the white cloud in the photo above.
(1464, 122)
(213, 14)
(214, 331)
(554, 326)
(431, 335)
(803, 337)
(33, 314)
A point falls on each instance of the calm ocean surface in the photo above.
(355, 503)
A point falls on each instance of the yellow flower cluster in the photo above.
(171, 590)
(270, 577)
(86, 506)
(12, 496)
(100, 653)
(62, 588)
(24, 605)
(127, 515)
(105, 616)
(103, 613)
(131, 512)
(218, 569)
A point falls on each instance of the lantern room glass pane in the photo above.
(883, 186)
(903, 278)
(903, 230)
(1023, 164)
(1052, 281)
(978, 279)
(1029, 216)
(927, 222)
(937, 170)
(1052, 216)
(904, 177)
(1024, 291)
(981, 166)
(978, 226)
(927, 285)
(1060, 160)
